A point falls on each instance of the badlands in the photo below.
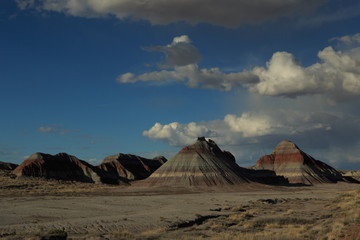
(200, 193)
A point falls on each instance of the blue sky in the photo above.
(94, 78)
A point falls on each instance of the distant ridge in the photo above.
(200, 164)
(60, 166)
(7, 166)
(296, 166)
(129, 167)
(114, 169)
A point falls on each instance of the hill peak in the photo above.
(286, 147)
(203, 145)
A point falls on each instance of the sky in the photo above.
(95, 78)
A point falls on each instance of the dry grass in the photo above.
(315, 219)
(123, 235)
(154, 232)
(18, 187)
(346, 215)
(256, 236)
(39, 235)
(270, 219)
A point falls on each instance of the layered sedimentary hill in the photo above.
(129, 167)
(296, 166)
(60, 166)
(350, 174)
(200, 164)
(7, 166)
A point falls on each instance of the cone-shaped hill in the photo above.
(60, 166)
(289, 161)
(200, 164)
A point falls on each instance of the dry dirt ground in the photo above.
(39, 209)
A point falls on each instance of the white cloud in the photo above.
(348, 39)
(250, 127)
(179, 53)
(194, 77)
(230, 13)
(336, 75)
(283, 75)
(177, 134)
(328, 136)
(183, 57)
(252, 124)
(94, 161)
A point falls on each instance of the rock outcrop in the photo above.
(7, 166)
(350, 175)
(200, 164)
(60, 166)
(296, 166)
(128, 167)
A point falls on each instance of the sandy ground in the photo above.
(116, 209)
(32, 207)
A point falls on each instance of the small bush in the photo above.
(123, 234)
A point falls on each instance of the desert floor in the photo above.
(31, 208)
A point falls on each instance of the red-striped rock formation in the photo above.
(289, 161)
(200, 164)
(60, 166)
(129, 167)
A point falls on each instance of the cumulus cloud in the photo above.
(336, 75)
(179, 53)
(182, 57)
(251, 124)
(55, 129)
(349, 39)
(348, 42)
(328, 136)
(177, 134)
(194, 77)
(94, 161)
(229, 13)
(252, 127)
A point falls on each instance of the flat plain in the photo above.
(33, 208)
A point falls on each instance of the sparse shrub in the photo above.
(260, 223)
(290, 212)
(218, 227)
(238, 209)
(154, 232)
(123, 235)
